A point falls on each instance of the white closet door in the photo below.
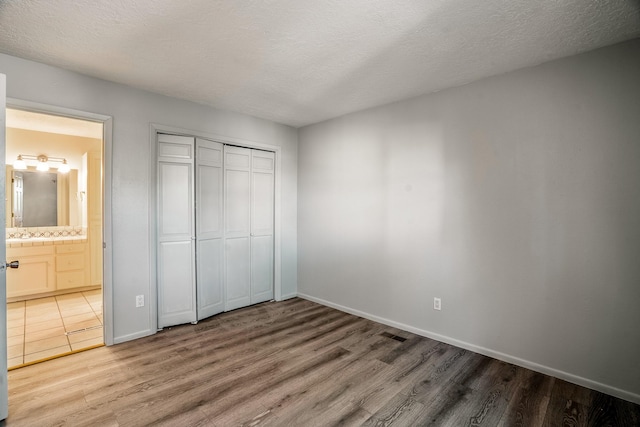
(176, 232)
(262, 211)
(237, 219)
(209, 228)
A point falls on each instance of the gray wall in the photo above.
(133, 111)
(516, 199)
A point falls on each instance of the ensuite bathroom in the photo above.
(53, 236)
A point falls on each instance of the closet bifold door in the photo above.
(262, 211)
(209, 228)
(175, 231)
(237, 227)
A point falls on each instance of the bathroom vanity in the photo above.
(47, 266)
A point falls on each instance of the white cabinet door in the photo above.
(262, 211)
(237, 228)
(209, 228)
(176, 231)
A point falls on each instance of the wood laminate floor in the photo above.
(297, 363)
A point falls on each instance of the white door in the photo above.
(4, 391)
(209, 228)
(262, 211)
(176, 231)
(237, 226)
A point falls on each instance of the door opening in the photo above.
(54, 238)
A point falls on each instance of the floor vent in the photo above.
(393, 337)
(77, 331)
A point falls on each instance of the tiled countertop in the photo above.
(42, 241)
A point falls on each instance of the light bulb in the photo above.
(19, 164)
(43, 166)
(64, 167)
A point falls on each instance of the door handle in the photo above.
(13, 264)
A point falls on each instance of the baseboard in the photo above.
(136, 335)
(585, 382)
(288, 296)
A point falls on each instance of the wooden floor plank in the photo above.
(297, 363)
(529, 404)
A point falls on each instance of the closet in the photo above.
(215, 233)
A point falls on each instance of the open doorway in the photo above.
(54, 236)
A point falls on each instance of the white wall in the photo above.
(133, 111)
(516, 199)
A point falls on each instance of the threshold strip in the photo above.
(77, 331)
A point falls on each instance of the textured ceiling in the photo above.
(301, 61)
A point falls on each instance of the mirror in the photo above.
(44, 199)
(35, 202)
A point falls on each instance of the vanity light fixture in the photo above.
(43, 163)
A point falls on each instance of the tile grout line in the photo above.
(90, 306)
(24, 330)
(64, 326)
(93, 310)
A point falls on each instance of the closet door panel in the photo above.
(210, 298)
(238, 273)
(209, 215)
(237, 203)
(262, 207)
(176, 217)
(261, 269)
(177, 299)
(175, 239)
(209, 201)
(237, 191)
(237, 217)
(262, 213)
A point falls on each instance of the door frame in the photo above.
(107, 141)
(154, 130)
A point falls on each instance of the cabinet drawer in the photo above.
(71, 279)
(70, 262)
(67, 249)
(29, 251)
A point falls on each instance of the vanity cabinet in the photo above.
(46, 269)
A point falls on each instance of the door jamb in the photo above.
(154, 130)
(107, 141)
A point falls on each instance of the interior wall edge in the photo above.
(547, 370)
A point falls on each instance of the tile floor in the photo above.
(46, 327)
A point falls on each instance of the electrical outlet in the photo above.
(140, 301)
(437, 304)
